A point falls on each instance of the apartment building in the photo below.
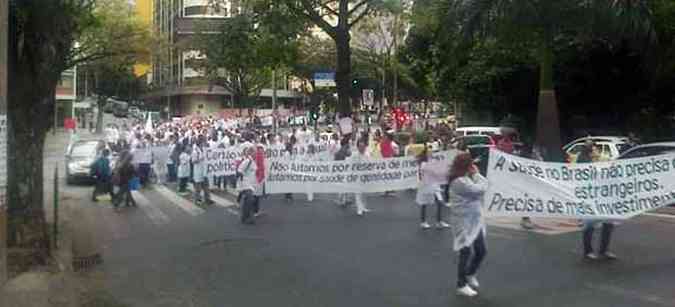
(178, 85)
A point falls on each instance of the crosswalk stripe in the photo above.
(155, 214)
(219, 201)
(189, 207)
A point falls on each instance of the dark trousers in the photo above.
(232, 180)
(469, 265)
(102, 186)
(248, 204)
(172, 172)
(124, 193)
(182, 184)
(439, 211)
(144, 173)
(607, 229)
(219, 182)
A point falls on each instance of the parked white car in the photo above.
(609, 147)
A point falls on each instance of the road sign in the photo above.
(368, 97)
(324, 79)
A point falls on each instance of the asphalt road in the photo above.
(168, 252)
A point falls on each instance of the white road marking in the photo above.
(155, 214)
(219, 201)
(187, 206)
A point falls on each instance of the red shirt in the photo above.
(260, 164)
(386, 149)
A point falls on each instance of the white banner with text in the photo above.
(618, 189)
(368, 176)
(222, 161)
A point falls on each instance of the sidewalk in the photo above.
(56, 283)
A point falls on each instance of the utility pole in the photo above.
(274, 100)
(4, 43)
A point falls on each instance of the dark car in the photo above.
(79, 158)
(646, 150)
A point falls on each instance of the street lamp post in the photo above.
(4, 27)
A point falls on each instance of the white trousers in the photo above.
(360, 205)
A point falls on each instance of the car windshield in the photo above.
(83, 149)
(622, 147)
(477, 140)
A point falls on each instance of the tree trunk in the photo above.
(343, 72)
(100, 102)
(548, 122)
(25, 144)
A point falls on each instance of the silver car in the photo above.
(79, 158)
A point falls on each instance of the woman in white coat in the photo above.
(361, 154)
(429, 191)
(467, 188)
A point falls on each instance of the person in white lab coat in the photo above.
(467, 188)
(246, 173)
(429, 191)
(361, 154)
(201, 181)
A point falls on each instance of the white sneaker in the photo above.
(425, 225)
(466, 291)
(472, 281)
(441, 225)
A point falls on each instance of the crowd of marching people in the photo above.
(174, 152)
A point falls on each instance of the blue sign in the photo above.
(324, 79)
(324, 76)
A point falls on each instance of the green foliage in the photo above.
(246, 47)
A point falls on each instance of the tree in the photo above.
(116, 23)
(336, 18)
(42, 44)
(245, 48)
(376, 43)
(540, 22)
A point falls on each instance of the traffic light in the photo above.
(313, 115)
(355, 82)
(400, 116)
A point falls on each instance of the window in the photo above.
(576, 149)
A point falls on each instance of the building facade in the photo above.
(66, 95)
(179, 86)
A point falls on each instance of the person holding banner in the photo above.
(246, 174)
(291, 151)
(586, 156)
(429, 191)
(199, 178)
(343, 153)
(361, 154)
(467, 188)
(183, 169)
